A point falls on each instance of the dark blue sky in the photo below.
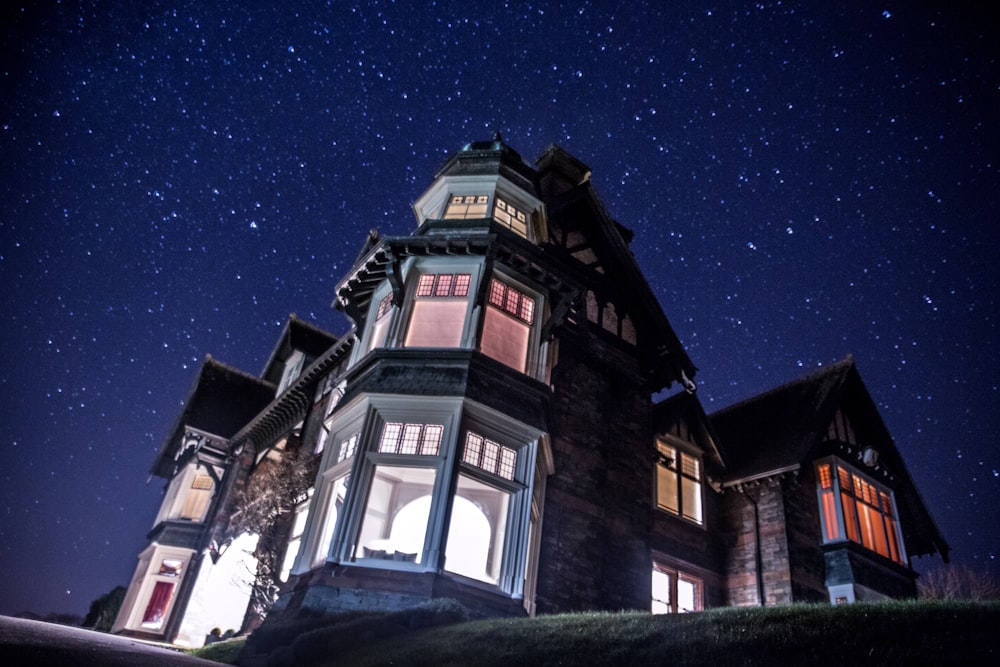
(177, 178)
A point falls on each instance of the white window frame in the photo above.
(832, 496)
(368, 415)
(144, 584)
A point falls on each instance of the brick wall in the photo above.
(741, 564)
(595, 551)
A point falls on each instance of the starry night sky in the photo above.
(178, 177)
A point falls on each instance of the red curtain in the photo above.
(158, 603)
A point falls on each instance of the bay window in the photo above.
(380, 323)
(854, 508)
(397, 509)
(506, 335)
(478, 530)
(678, 482)
(441, 485)
(439, 309)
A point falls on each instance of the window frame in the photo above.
(831, 474)
(672, 602)
(682, 450)
(369, 414)
(533, 354)
(413, 300)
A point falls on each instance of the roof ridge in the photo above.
(210, 360)
(838, 366)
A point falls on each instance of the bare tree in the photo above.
(958, 582)
(264, 507)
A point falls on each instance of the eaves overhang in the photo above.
(740, 482)
(291, 407)
(384, 261)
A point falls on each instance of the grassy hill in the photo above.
(904, 633)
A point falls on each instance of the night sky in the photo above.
(177, 178)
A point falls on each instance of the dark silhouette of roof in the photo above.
(784, 429)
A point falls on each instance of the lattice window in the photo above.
(512, 301)
(443, 285)
(489, 455)
(414, 439)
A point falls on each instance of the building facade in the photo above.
(486, 431)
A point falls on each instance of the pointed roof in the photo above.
(777, 429)
(297, 335)
(479, 158)
(682, 414)
(783, 429)
(221, 401)
(578, 206)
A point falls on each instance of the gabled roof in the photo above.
(783, 429)
(682, 415)
(778, 428)
(297, 335)
(221, 401)
(580, 206)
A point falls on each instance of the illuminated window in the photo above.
(348, 448)
(394, 525)
(294, 538)
(197, 498)
(164, 579)
(510, 217)
(853, 508)
(490, 456)
(156, 609)
(678, 482)
(380, 325)
(421, 439)
(675, 592)
(439, 308)
(506, 335)
(466, 207)
(477, 533)
(422, 498)
(171, 567)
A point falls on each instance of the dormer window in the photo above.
(293, 368)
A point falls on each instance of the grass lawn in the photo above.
(903, 633)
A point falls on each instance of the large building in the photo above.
(486, 431)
